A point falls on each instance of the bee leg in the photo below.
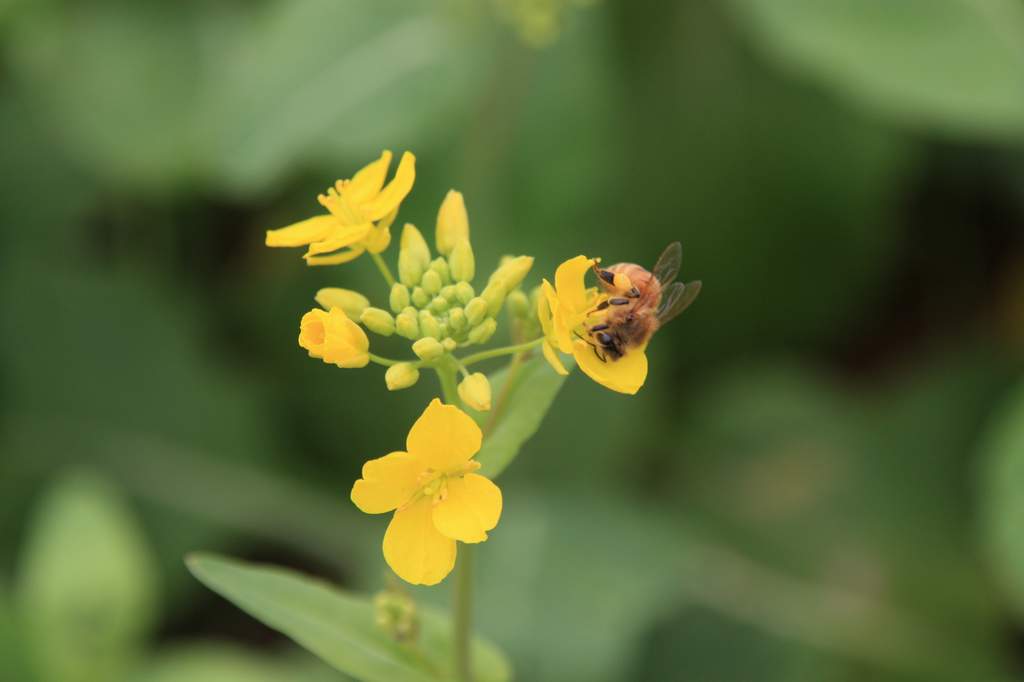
(618, 301)
(633, 293)
(598, 328)
(604, 276)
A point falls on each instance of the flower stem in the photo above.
(463, 614)
(497, 352)
(384, 269)
(387, 362)
(462, 606)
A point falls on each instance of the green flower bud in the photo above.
(440, 266)
(438, 306)
(483, 331)
(407, 324)
(475, 392)
(449, 344)
(352, 302)
(494, 295)
(428, 349)
(464, 292)
(448, 292)
(429, 325)
(395, 614)
(402, 375)
(431, 282)
(457, 319)
(462, 262)
(452, 222)
(399, 299)
(378, 321)
(420, 298)
(512, 271)
(413, 256)
(476, 311)
(518, 304)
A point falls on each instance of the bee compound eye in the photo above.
(604, 338)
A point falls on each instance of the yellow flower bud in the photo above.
(413, 256)
(494, 295)
(518, 304)
(429, 325)
(440, 266)
(402, 375)
(475, 392)
(420, 298)
(352, 302)
(457, 319)
(399, 299)
(439, 305)
(448, 292)
(512, 271)
(431, 282)
(428, 349)
(449, 344)
(476, 311)
(334, 338)
(452, 222)
(407, 324)
(483, 331)
(378, 321)
(464, 292)
(462, 262)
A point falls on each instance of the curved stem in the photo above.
(384, 269)
(386, 362)
(498, 352)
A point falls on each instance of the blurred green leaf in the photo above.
(209, 662)
(13, 660)
(86, 589)
(339, 627)
(952, 65)
(1001, 494)
(521, 400)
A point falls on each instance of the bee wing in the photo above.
(677, 298)
(668, 264)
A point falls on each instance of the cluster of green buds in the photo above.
(434, 304)
(395, 614)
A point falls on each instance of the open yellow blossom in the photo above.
(436, 497)
(360, 213)
(564, 310)
(335, 339)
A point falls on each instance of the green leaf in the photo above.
(86, 591)
(1002, 495)
(952, 65)
(520, 402)
(339, 627)
(209, 662)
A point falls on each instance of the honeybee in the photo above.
(639, 302)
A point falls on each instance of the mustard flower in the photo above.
(360, 213)
(564, 311)
(335, 339)
(436, 497)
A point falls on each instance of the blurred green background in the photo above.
(823, 478)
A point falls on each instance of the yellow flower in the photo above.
(360, 213)
(335, 339)
(564, 311)
(436, 497)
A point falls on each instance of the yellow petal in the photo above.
(336, 258)
(366, 184)
(303, 232)
(552, 357)
(334, 338)
(392, 195)
(388, 482)
(625, 375)
(338, 238)
(569, 283)
(444, 436)
(378, 240)
(561, 326)
(415, 549)
(470, 509)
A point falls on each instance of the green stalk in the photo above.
(384, 269)
(462, 605)
(498, 352)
